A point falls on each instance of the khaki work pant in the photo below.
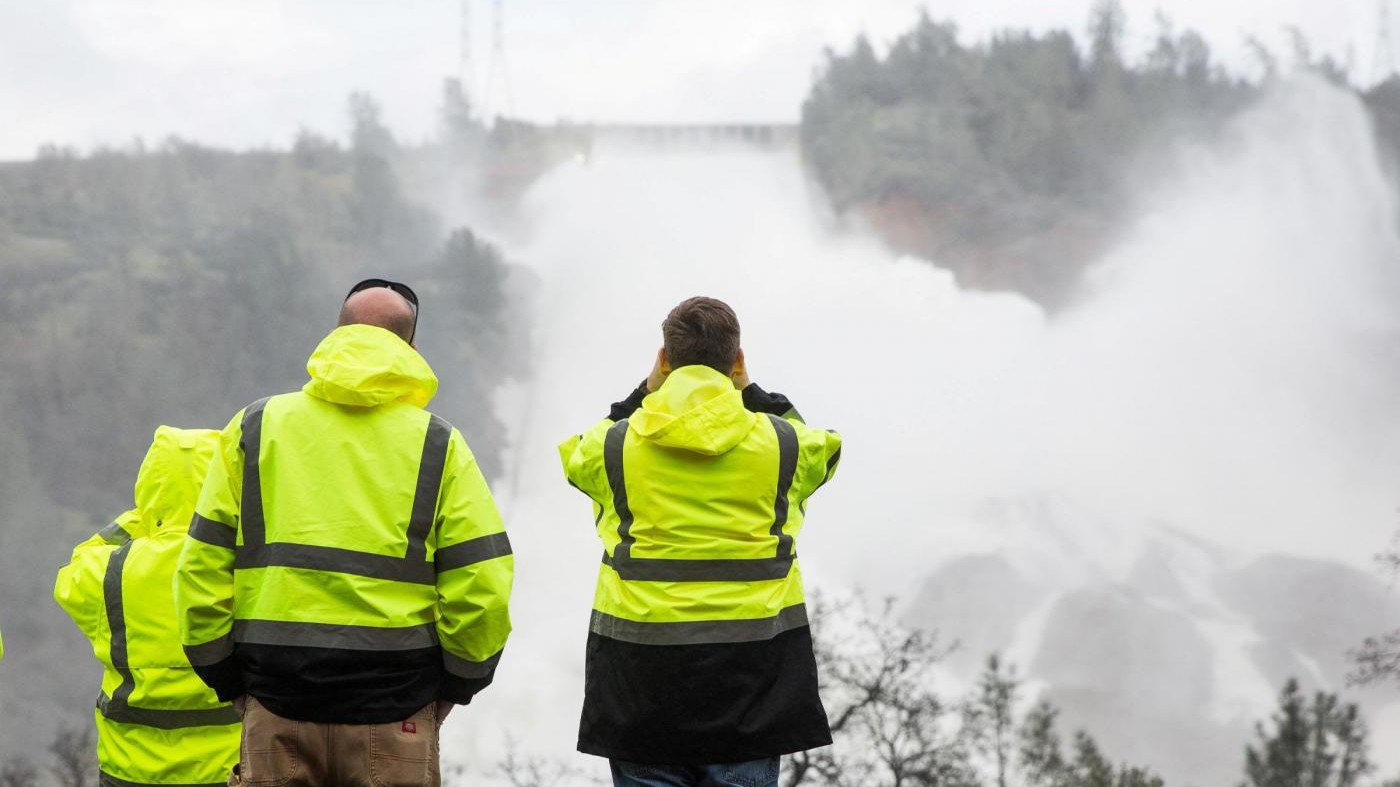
(278, 752)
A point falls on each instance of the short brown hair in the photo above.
(701, 331)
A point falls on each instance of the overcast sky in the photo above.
(249, 73)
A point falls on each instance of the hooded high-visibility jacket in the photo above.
(699, 650)
(346, 562)
(157, 723)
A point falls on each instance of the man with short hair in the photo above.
(699, 667)
(347, 573)
(157, 723)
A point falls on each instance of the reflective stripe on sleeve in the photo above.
(334, 635)
(210, 653)
(474, 551)
(343, 561)
(114, 534)
(215, 534)
(698, 632)
(463, 668)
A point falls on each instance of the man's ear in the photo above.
(738, 362)
(662, 361)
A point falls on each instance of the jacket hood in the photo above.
(366, 366)
(697, 409)
(168, 483)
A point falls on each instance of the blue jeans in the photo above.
(754, 773)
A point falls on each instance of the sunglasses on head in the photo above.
(402, 289)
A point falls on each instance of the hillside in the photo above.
(173, 285)
(1015, 161)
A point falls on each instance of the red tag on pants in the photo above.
(409, 726)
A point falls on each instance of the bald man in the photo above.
(346, 576)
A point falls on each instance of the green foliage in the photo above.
(892, 728)
(1039, 750)
(1317, 744)
(1006, 160)
(988, 719)
(1378, 658)
(174, 285)
(890, 725)
(1107, 25)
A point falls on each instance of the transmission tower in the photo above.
(497, 92)
(1383, 66)
(466, 75)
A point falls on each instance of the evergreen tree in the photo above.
(1378, 658)
(1041, 759)
(1108, 23)
(1317, 744)
(988, 718)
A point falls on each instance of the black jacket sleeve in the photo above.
(626, 407)
(758, 400)
(225, 678)
(460, 691)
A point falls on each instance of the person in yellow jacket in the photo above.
(157, 723)
(699, 667)
(347, 575)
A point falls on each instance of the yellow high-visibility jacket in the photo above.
(157, 723)
(699, 650)
(346, 562)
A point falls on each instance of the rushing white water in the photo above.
(1233, 374)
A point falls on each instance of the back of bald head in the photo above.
(380, 307)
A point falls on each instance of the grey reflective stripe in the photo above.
(831, 463)
(698, 632)
(787, 468)
(213, 533)
(114, 534)
(334, 635)
(425, 492)
(116, 623)
(463, 668)
(638, 569)
(341, 561)
(166, 719)
(251, 505)
(210, 653)
(612, 464)
(118, 706)
(107, 780)
(257, 552)
(473, 551)
(830, 468)
(712, 570)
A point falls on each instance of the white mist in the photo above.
(1232, 374)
